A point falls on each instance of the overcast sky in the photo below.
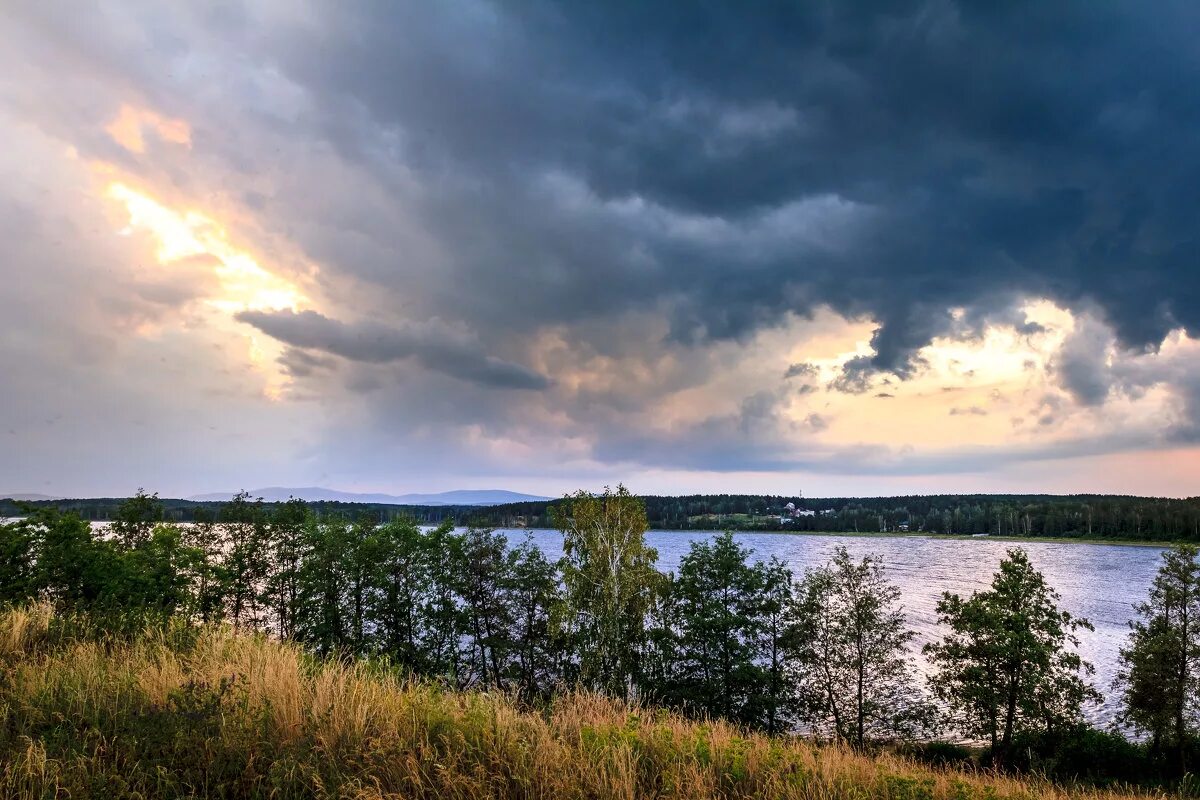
(934, 247)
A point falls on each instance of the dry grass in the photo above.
(211, 714)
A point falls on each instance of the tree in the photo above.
(321, 613)
(17, 554)
(135, 519)
(210, 577)
(287, 528)
(485, 583)
(848, 644)
(609, 577)
(161, 571)
(1160, 668)
(247, 559)
(536, 607)
(717, 599)
(360, 564)
(775, 596)
(403, 583)
(1007, 667)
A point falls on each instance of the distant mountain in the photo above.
(460, 497)
(28, 496)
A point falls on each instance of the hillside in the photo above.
(203, 712)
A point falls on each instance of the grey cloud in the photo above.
(1082, 362)
(301, 364)
(436, 347)
(997, 159)
(801, 370)
(855, 377)
(967, 411)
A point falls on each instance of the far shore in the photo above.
(967, 537)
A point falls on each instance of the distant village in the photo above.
(791, 512)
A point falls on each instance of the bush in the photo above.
(1083, 754)
(939, 754)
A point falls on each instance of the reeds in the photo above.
(214, 714)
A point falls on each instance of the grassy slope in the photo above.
(211, 714)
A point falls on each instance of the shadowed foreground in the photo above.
(208, 713)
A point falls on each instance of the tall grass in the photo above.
(180, 712)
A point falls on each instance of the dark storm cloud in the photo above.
(436, 347)
(982, 150)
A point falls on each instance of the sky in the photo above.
(824, 248)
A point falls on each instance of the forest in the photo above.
(1038, 516)
(826, 654)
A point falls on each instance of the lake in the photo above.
(1100, 582)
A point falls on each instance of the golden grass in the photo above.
(214, 714)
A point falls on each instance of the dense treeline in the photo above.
(725, 636)
(1054, 516)
(1067, 516)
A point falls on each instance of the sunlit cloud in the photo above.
(242, 283)
(245, 285)
(129, 129)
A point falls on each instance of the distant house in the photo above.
(902, 527)
(791, 512)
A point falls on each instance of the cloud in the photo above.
(625, 210)
(435, 346)
(801, 370)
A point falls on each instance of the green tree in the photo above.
(536, 607)
(1160, 668)
(360, 564)
(717, 597)
(848, 645)
(321, 608)
(1008, 667)
(403, 583)
(417, 616)
(286, 527)
(442, 616)
(246, 546)
(485, 584)
(161, 573)
(17, 564)
(609, 576)
(210, 579)
(776, 700)
(135, 519)
(73, 569)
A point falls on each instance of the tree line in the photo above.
(1052, 516)
(828, 652)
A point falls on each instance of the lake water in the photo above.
(1098, 582)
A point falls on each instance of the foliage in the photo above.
(715, 669)
(609, 577)
(849, 642)
(1008, 668)
(1160, 668)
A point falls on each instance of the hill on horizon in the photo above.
(457, 497)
